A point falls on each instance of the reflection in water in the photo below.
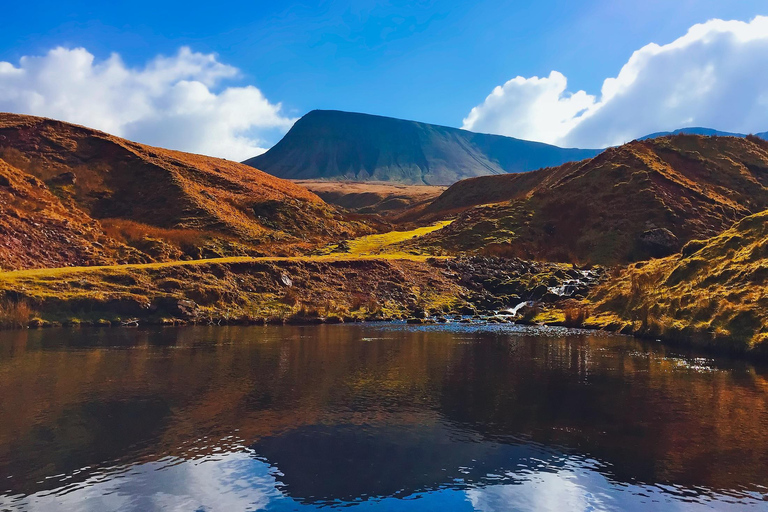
(385, 416)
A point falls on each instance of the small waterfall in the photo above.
(513, 311)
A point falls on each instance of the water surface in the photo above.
(378, 416)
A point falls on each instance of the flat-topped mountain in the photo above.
(643, 199)
(167, 204)
(334, 145)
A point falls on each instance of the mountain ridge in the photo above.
(700, 130)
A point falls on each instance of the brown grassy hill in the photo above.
(714, 293)
(167, 202)
(37, 230)
(639, 200)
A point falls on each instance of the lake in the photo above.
(375, 417)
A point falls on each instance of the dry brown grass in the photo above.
(715, 295)
(130, 231)
(598, 211)
(14, 314)
(106, 177)
(575, 315)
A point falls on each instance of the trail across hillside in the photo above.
(371, 247)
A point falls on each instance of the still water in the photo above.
(378, 416)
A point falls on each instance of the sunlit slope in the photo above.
(643, 199)
(714, 293)
(168, 204)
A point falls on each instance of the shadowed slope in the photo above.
(632, 202)
(36, 230)
(328, 144)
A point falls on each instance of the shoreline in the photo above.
(466, 321)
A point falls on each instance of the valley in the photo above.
(658, 238)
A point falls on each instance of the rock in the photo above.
(539, 292)
(65, 178)
(415, 321)
(659, 242)
(180, 308)
(287, 281)
(550, 297)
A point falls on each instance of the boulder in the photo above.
(659, 242)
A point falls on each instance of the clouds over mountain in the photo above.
(715, 75)
(176, 102)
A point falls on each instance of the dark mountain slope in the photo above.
(328, 144)
(640, 200)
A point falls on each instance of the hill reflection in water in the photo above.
(383, 416)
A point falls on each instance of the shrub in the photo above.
(132, 233)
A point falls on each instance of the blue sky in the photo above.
(424, 60)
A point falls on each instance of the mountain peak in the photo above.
(338, 145)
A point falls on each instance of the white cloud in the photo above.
(715, 76)
(171, 102)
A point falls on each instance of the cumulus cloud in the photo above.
(174, 101)
(715, 76)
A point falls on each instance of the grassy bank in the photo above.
(228, 289)
(714, 294)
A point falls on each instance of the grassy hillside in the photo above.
(644, 199)
(714, 293)
(337, 145)
(37, 230)
(227, 290)
(166, 203)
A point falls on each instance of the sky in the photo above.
(229, 78)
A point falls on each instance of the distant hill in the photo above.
(334, 145)
(643, 199)
(167, 204)
(697, 130)
(387, 199)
